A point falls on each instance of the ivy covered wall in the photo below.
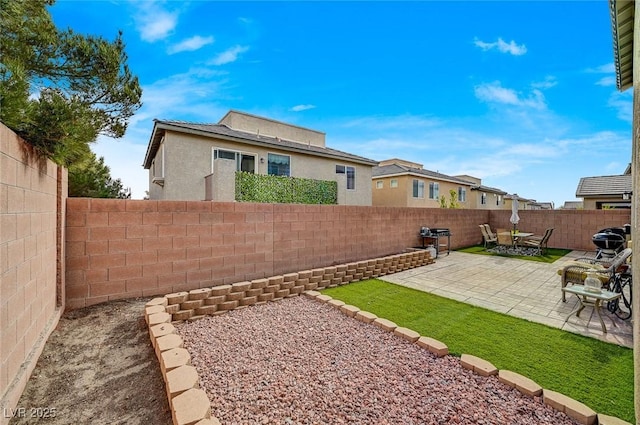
(280, 189)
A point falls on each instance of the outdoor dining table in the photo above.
(516, 236)
(588, 297)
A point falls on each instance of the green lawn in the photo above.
(593, 372)
(550, 254)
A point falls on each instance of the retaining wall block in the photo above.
(200, 294)
(191, 304)
(248, 300)
(349, 310)
(182, 315)
(305, 274)
(336, 303)
(234, 296)
(220, 290)
(157, 331)
(157, 301)
(215, 300)
(173, 308)
(206, 310)
(290, 277)
(365, 316)
(253, 292)
(571, 407)
(177, 297)
(190, 407)
(228, 305)
(478, 365)
(168, 342)
(405, 333)
(158, 318)
(267, 296)
(521, 383)
(324, 298)
(181, 379)
(240, 287)
(276, 280)
(385, 324)
(312, 294)
(610, 420)
(152, 310)
(174, 358)
(259, 283)
(436, 347)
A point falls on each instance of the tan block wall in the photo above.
(128, 248)
(29, 246)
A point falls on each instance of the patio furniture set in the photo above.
(515, 241)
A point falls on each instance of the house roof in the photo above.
(396, 170)
(622, 15)
(223, 132)
(572, 205)
(604, 186)
(489, 189)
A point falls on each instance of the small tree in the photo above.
(90, 177)
(453, 200)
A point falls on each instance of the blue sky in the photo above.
(519, 94)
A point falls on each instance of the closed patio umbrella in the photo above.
(515, 218)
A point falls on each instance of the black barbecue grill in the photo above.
(609, 241)
(434, 235)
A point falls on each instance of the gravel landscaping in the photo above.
(299, 361)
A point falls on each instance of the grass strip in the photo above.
(591, 371)
(550, 254)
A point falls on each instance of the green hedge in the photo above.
(287, 190)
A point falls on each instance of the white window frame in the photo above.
(380, 184)
(434, 190)
(237, 159)
(393, 183)
(354, 176)
(483, 198)
(419, 185)
(462, 194)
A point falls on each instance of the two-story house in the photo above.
(194, 161)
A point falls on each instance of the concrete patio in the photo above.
(520, 288)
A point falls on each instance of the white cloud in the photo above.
(606, 81)
(502, 46)
(190, 44)
(608, 68)
(623, 104)
(547, 83)
(495, 93)
(229, 55)
(153, 22)
(299, 108)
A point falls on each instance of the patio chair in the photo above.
(538, 242)
(605, 270)
(488, 237)
(504, 237)
(489, 231)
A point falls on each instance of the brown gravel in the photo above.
(298, 361)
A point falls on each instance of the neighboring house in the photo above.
(400, 183)
(484, 197)
(604, 192)
(572, 205)
(191, 161)
(523, 203)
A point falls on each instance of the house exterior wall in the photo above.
(267, 127)
(31, 238)
(402, 196)
(592, 203)
(188, 159)
(475, 200)
(129, 248)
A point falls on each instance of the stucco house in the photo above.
(484, 197)
(194, 161)
(401, 183)
(603, 192)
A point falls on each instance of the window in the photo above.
(244, 161)
(418, 189)
(483, 198)
(499, 200)
(351, 178)
(340, 169)
(434, 190)
(462, 194)
(279, 165)
(379, 184)
(394, 183)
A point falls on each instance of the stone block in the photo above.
(324, 283)
(181, 379)
(191, 304)
(317, 272)
(610, 420)
(291, 295)
(281, 293)
(521, 383)
(385, 324)
(288, 284)
(152, 310)
(210, 421)
(297, 290)
(349, 310)
(335, 303)
(234, 296)
(405, 333)
(228, 305)
(271, 289)
(183, 314)
(311, 286)
(248, 300)
(172, 308)
(157, 331)
(324, 298)
(240, 286)
(177, 297)
(220, 290)
(215, 300)
(157, 301)
(196, 317)
(336, 281)
(190, 407)
(200, 294)
(276, 280)
(305, 274)
(158, 318)
(311, 293)
(436, 347)
(302, 282)
(315, 279)
(267, 296)
(290, 277)
(174, 358)
(365, 316)
(206, 310)
(168, 342)
(259, 283)
(253, 292)
(572, 408)
(478, 365)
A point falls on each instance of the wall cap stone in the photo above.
(573, 408)
(478, 365)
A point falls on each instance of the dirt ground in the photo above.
(98, 367)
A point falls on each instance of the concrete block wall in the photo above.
(129, 248)
(30, 244)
